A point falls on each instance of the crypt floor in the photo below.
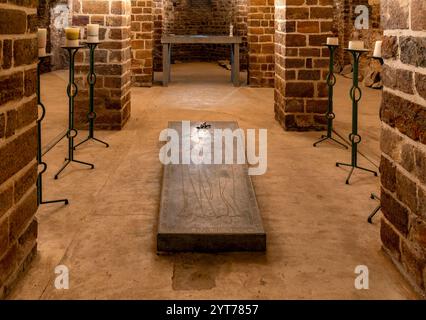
(316, 225)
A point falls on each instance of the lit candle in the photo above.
(332, 41)
(356, 45)
(42, 39)
(72, 35)
(93, 33)
(378, 49)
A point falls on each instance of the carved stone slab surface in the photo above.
(208, 207)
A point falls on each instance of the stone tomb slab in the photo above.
(208, 207)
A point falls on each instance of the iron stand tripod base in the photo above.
(68, 162)
(40, 193)
(376, 210)
(329, 137)
(338, 164)
(94, 139)
(65, 201)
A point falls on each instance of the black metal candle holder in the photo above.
(72, 91)
(380, 59)
(39, 146)
(373, 195)
(91, 79)
(376, 210)
(355, 94)
(330, 115)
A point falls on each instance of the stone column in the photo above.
(112, 63)
(403, 115)
(18, 140)
(301, 62)
(260, 33)
(142, 34)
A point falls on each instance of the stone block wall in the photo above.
(157, 11)
(261, 43)
(403, 140)
(142, 33)
(301, 62)
(112, 62)
(18, 140)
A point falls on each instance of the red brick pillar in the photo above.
(403, 115)
(18, 141)
(112, 62)
(301, 62)
(260, 33)
(142, 34)
(157, 33)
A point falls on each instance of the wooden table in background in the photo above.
(168, 40)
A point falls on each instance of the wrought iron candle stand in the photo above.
(330, 115)
(91, 79)
(374, 196)
(376, 210)
(72, 91)
(39, 148)
(380, 59)
(354, 137)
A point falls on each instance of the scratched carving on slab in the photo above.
(208, 207)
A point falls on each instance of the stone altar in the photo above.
(169, 40)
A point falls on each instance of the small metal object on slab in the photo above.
(208, 207)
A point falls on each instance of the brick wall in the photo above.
(18, 140)
(301, 64)
(112, 64)
(157, 7)
(200, 17)
(403, 141)
(261, 43)
(142, 34)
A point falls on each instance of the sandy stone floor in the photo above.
(316, 225)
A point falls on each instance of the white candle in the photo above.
(332, 41)
(356, 45)
(231, 30)
(71, 37)
(42, 39)
(378, 49)
(93, 33)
